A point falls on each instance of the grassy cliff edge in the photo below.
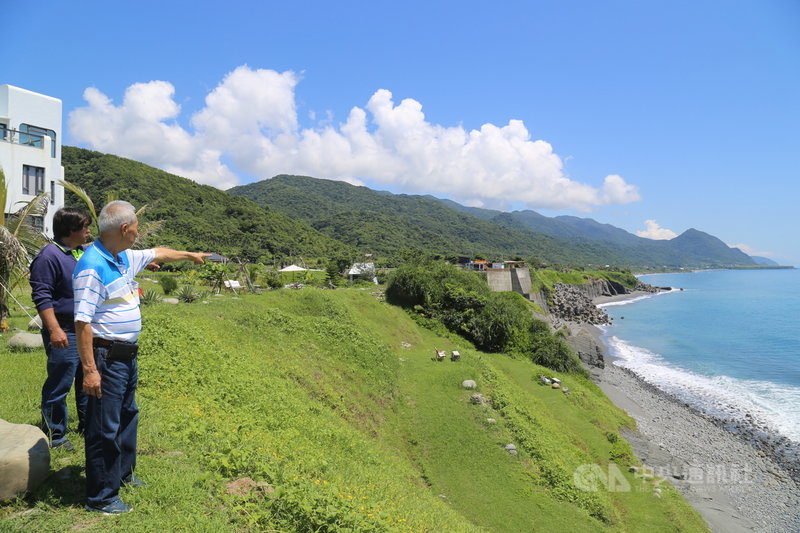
(325, 411)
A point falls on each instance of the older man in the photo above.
(51, 290)
(107, 324)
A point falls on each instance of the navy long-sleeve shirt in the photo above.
(51, 281)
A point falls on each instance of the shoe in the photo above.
(134, 482)
(115, 507)
(64, 445)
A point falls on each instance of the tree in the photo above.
(18, 241)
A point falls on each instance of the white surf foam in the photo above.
(638, 298)
(769, 404)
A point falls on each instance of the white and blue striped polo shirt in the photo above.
(106, 295)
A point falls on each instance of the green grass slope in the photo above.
(324, 411)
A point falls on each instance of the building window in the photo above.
(3, 131)
(52, 192)
(37, 223)
(32, 180)
(34, 136)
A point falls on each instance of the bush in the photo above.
(332, 275)
(188, 294)
(494, 321)
(552, 352)
(168, 284)
(150, 296)
(271, 279)
(503, 324)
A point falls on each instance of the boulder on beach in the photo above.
(593, 359)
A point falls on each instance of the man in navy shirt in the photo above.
(51, 285)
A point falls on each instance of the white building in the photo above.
(30, 150)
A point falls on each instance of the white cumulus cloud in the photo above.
(654, 231)
(249, 127)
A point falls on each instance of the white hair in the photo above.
(115, 214)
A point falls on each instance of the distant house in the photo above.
(30, 151)
(217, 258)
(477, 264)
(363, 270)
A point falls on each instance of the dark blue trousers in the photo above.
(63, 369)
(111, 423)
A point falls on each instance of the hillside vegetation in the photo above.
(290, 216)
(384, 223)
(493, 321)
(324, 411)
(692, 248)
(196, 217)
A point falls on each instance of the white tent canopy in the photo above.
(293, 268)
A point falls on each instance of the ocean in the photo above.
(728, 344)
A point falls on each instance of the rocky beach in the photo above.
(739, 478)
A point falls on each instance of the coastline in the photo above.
(731, 483)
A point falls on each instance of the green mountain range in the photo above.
(383, 223)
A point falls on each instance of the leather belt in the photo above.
(102, 342)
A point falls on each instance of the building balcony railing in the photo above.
(19, 137)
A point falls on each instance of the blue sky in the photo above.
(682, 113)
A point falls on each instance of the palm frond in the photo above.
(12, 251)
(147, 230)
(83, 195)
(36, 207)
(3, 197)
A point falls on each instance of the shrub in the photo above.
(150, 296)
(271, 279)
(552, 352)
(494, 321)
(188, 294)
(332, 275)
(503, 324)
(168, 284)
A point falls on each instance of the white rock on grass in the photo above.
(469, 384)
(25, 341)
(171, 301)
(35, 324)
(24, 458)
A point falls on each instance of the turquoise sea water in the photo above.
(728, 343)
